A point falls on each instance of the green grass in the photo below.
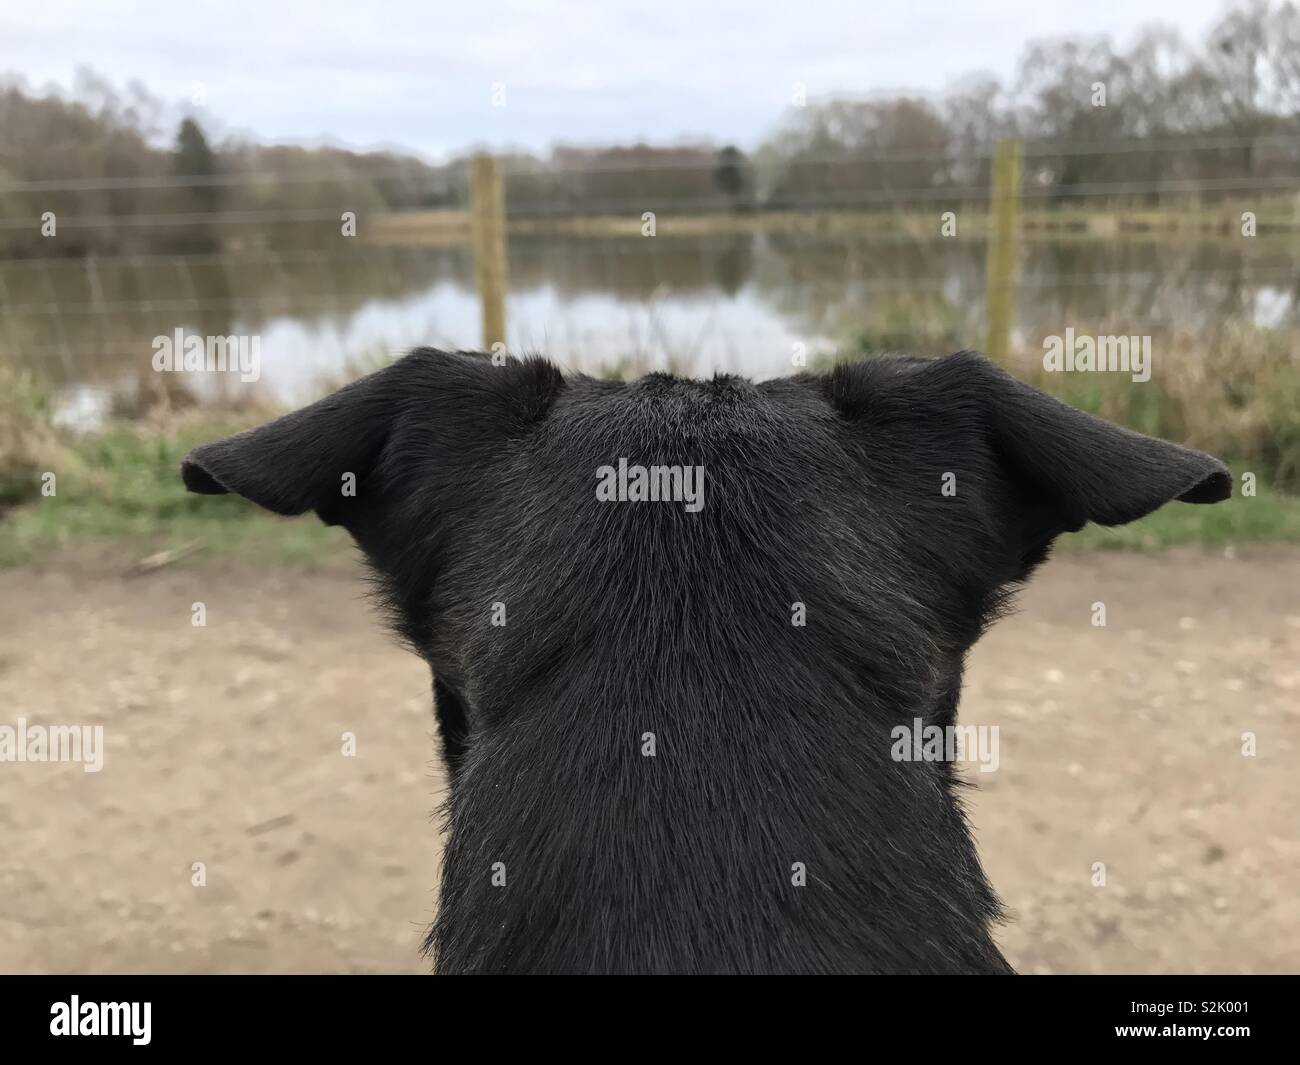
(1264, 518)
(123, 486)
(1092, 223)
(122, 489)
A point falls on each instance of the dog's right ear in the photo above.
(300, 462)
(327, 457)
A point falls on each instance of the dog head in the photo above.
(763, 578)
(934, 482)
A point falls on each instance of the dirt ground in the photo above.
(1118, 744)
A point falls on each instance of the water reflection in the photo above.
(741, 303)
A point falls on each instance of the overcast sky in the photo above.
(420, 74)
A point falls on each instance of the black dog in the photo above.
(668, 724)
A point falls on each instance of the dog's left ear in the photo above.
(330, 456)
(1038, 467)
(1086, 468)
(1059, 468)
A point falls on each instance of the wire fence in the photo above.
(597, 275)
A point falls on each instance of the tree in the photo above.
(193, 158)
(731, 174)
(194, 161)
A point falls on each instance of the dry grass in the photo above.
(1276, 216)
(1235, 394)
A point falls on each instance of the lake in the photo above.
(735, 303)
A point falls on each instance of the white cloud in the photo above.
(420, 74)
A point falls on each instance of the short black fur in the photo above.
(475, 486)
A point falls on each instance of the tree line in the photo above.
(1161, 118)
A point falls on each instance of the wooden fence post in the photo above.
(1004, 240)
(487, 214)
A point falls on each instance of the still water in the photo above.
(746, 304)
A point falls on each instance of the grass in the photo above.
(1038, 220)
(122, 487)
(1263, 518)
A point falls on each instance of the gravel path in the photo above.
(1119, 745)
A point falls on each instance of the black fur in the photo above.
(476, 485)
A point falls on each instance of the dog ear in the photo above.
(301, 461)
(1083, 467)
(327, 457)
(1038, 467)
